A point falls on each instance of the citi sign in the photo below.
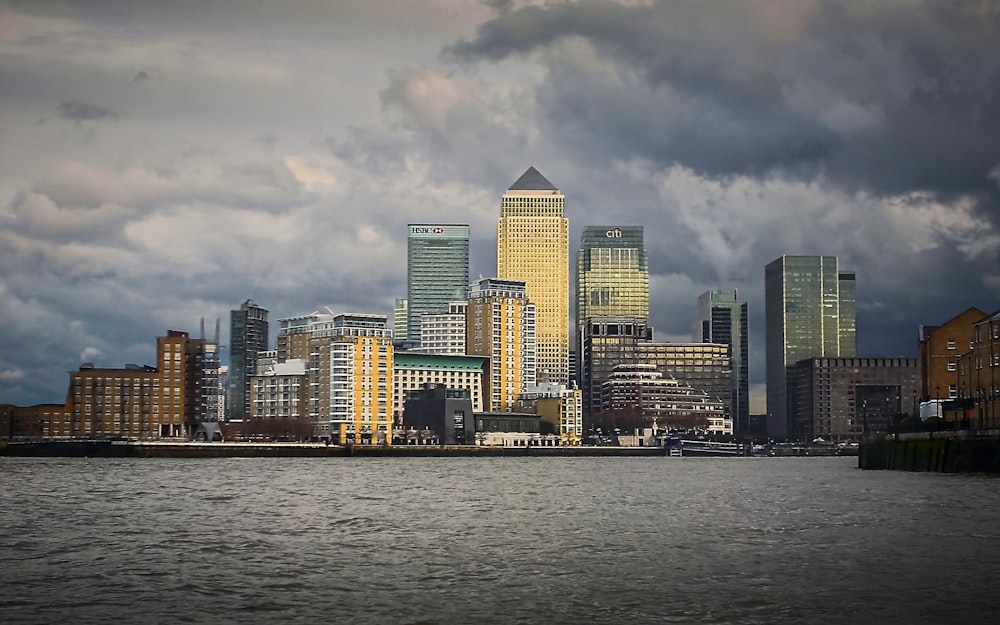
(427, 230)
(614, 233)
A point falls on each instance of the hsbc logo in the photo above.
(614, 233)
(426, 230)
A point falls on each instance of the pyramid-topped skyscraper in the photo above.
(533, 247)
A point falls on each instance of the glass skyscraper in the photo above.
(722, 318)
(248, 334)
(809, 312)
(612, 274)
(437, 271)
(533, 247)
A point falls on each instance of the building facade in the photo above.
(437, 270)
(809, 312)
(500, 324)
(248, 334)
(604, 343)
(350, 378)
(979, 374)
(838, 399)
(280, 391)
(533, 247)
(444, 333)
(705, 367)
(412, 371)
(612, 273)
(559, 406)
(639, 396)
(723, 318)
(939, 349)
(445, 411)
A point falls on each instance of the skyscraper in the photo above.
(248, 334)
(612, 274)
(809, 312)
(533, 247)
(722, 318)
(437, 271)
(500, 324)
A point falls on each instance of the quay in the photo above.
(960, 451)
(187, 449)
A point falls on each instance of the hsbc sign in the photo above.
(426, 230)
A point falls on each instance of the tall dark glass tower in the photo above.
(809, 312)
(722, 318)
(248, 334)
(437, 271)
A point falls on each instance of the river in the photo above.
(494, 540)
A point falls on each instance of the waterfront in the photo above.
(494, 540)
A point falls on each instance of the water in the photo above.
(494, 540)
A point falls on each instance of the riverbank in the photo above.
(938, 452)
(182, 449)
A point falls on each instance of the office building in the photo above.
(606, 342)
(838, 399)
(639, 396)
(412, 370)
(445, 411)
(722, 318)
(612, 274)
(809, 313)
(248, 335)
(533, 247)
(501, 325)
(437, 270)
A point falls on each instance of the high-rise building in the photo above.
(722, 318)
(248, 334)
(437, 271)
(533, 247)
(809, 313)
(444, 333)
(399, 319)
(352, 370)
(501, 324)
(606, 342)
(612, 274)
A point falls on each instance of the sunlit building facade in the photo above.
(533, 247)
(412, 371)
(501, 325)
(612, 273)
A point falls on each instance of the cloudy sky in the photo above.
(161, 162)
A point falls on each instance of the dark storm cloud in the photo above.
(76, 111)
(888, 96)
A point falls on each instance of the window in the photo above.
(951, 366)
(951, 344)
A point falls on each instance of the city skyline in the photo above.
(163, 163)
